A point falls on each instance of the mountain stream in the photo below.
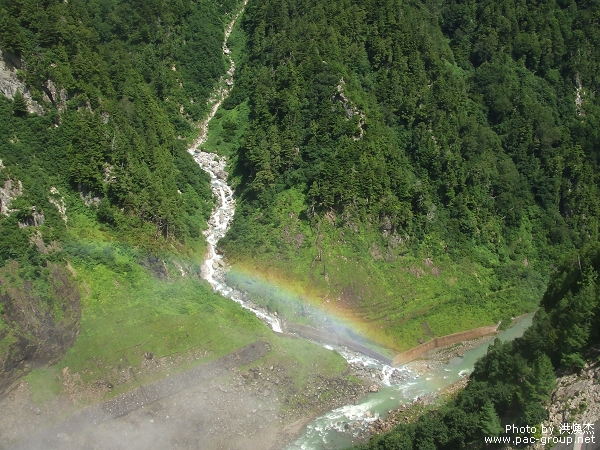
(343, 426)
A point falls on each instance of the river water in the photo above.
(341, 427)
(213, 268)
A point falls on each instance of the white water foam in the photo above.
(352, 419)
(388, 375)
(213, 268)
(465, 372)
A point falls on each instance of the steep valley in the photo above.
(399, 171)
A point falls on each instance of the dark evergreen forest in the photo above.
(123, 80)
(408, 161)
(456, 142)
(469, 106)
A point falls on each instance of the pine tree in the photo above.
(19, 105)
(489, 421)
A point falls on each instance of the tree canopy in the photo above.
(459, 132)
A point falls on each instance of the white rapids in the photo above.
(213, 268)
(337, 428)
(344, 426)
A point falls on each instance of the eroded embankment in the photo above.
(37, 335)
(442, 341)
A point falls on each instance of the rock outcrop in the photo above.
(10, 190)
(576, 398)
(351, 110)
(10, 83)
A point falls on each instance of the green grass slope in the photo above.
(513, 382)
(400, 162)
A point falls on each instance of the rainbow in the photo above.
(302, 304)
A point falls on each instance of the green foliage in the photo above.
(123, 81)
(490, 422)
(19, 105)
(130, 309)
(416, 132)
(119, 84)
(512, 383)
(123, 204)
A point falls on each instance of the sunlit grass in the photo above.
(383, 292)
(44, 384)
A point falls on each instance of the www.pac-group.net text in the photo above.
(567, 433)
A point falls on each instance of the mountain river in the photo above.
(341, 427)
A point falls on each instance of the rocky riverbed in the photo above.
(226, 406)
(431, 361)
(214, 267)
(249, 406)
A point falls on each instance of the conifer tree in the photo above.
(19, 105)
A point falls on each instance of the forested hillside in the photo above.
(408, 161)
(513, 382)
(123, 80)
(100, 199)
(420, 168)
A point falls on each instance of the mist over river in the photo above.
(341, 427)
(349, 424)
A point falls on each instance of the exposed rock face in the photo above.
(89, 199)
(40, 331)
(8, 192)
(36, 219)
(351, 110)
(576, 399)
(37, 240)
(59, 202)
(11, 190)
(10, 83)
(54, 95)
